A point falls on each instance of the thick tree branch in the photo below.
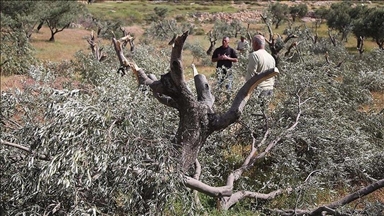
(358, 194)
(228, 198)
(331, 208)
(289, 37)
(241, 99)
(270, 40)
(203, 89)
(240, 195)
(176, 60)
(207, 189)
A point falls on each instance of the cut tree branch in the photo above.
(25, 149)
(331, 207)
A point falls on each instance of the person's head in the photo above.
(225, 41)
(242, 38)
(258, 42)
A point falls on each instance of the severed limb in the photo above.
(331, 207)
(127, 38)
(96, 50)
(203, 89)
(25, 149)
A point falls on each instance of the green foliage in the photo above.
(23, 15)
(197, 51)
(165, 29)
(17, 22)
(375, 26)
(94, 140)
(339, 18)
(107, 29)
(299, 11)
(223, 29)
(15, 51)
(321, 12)
(279, 13)
(58, 15)
(161, 12)
(90, 70)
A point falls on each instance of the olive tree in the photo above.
(279, 13)
(375, 22)
(298, 11)
(58, 15)
(17, 23)
(339, 18)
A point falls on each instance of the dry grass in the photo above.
(14, 81)
(66, 44)
(377, 104)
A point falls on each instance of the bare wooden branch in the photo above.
(358, 194)
(331, 208)
(332, 37)
(326, 56)
(294, 44)
(360, 44)
(96, 50)
(172, 42)
(176, 64)
(289, 37)
(129, 39)
(270, 40)
(240, 195)
(25, 149)
(207, 189)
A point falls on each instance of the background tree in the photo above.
(321, 13)
(237, 27)
(22, 14)
(375, 26)
(339, 18)
(17, 22)
(58, 15)
(359, 28)
(279, 13)
(159, 14)
(298, 11)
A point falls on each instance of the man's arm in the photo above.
(215, 56)
(252, 66)
(233, 57)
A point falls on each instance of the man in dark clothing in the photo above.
(224, 56)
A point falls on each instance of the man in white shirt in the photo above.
(258, 61)
(242, 45)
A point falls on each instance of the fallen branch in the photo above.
(25, 149)
(331, 207)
